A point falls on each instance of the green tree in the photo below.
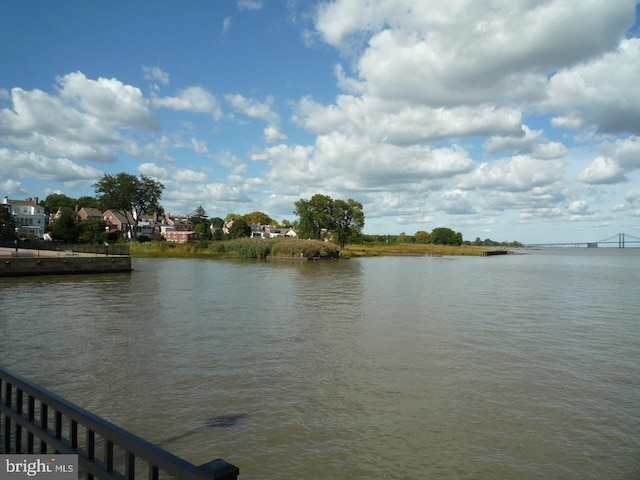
(445, 236)
(88, 202)
(204, 229)
(199, 216)
(57, 201)
(127, 193)
(258, 218)
(348, 220)
(240, 228)
(65, 228)
(343, 219)
(422, 237)
(7, 225)
(231, 216)
(92, 230)
(315, 215)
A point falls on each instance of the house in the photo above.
(267, 231)
(86, 213)
(28, 215)
(117, 222)
(181, 223)
(182, 236)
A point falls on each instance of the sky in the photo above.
(501, 119)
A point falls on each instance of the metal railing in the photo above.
(90, 248)
(34, 420)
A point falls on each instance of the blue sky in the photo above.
(499, 119)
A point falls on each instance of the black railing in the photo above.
(34, 420)
(63, 248)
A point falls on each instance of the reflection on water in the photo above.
(506, 367)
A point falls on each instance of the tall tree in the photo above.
(199, 216)
(258, 218)
(344, 219)
(127, 193)
(57, 201)
(7, 225)
(445, 236)
(348, 220)
(315, 215)
(239, 229)
(88, 202)
(65, 228)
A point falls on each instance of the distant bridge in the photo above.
(620, 240)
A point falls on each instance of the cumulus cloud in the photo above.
(155, 74)
(108, 100)
(530, 142)
(86, 119)
(602, 170)
(451, 46)
(274, 135)
(602, 92)
(403, 124)
(58, 170)
(252, 108)
(518, 174)
(192, 99)
(456, 202)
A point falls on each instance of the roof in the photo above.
(121, 218)
(92, 212)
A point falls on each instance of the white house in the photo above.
(28, 215)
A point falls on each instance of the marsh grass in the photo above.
(293, 248)
(374, 250)
(242, 247)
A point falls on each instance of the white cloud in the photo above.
(579, 207)
(625, 151)
(252, 108)
(602, 170)
(404, 124)
(30, 165)
(11, 188)
(153, 170)
(192, 99)
(520, 173)
(226, 25)
(199, 146)
(155, 73)
(87, 119)
(531, 142)
(109, 101)
(250, 4)
(456, 202)
(274, 135)
(444, 52)
(602, 92)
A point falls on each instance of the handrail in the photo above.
(14, 388)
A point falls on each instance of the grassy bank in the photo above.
(375, 250)
(292, 248)
(238, 248)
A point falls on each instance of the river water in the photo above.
(519, 366)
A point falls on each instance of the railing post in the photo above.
(219, 469)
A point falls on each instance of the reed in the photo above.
(242, 247)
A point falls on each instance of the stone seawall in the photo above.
(24, 266)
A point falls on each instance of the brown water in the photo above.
(526, 366)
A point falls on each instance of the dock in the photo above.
(25, 262)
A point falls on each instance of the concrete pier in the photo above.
(28, 263)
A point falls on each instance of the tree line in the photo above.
(320, 217)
